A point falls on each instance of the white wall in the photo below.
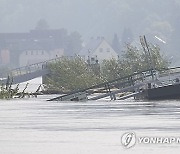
(36, 56)
(33, 56)
(105, 51)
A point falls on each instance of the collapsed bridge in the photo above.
(120, 88)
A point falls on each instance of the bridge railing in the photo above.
(33, 67)
(118, 83)
(169, 71)
(27, 69)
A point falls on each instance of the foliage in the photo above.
(70, 74)
(158, 60)
(133, 60)
(6, 92)
(73, 74)
(111, 69)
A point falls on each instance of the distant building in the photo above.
(19, 49)
(98, 49)
(34, 56)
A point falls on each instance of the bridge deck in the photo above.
(28, 72)
(113, 87)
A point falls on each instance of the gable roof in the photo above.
(91, 46)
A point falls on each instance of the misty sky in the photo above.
(85, 16)
(89, 17)
(92, 18)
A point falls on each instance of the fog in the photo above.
(92, 18)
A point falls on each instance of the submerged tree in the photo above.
(133, 60)
(74, 74)
(111, 69)
(70, 74)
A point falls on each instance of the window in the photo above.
(108, 49)
(42, 52)
(31, 52)
(26, 52)
(92, 59)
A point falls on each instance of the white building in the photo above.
(35, 56)
(98, 49)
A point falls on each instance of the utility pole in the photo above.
(147, 54)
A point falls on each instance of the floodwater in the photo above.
(35, 126)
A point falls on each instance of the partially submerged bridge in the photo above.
(131, 83)
(120, 88)
(28, 72)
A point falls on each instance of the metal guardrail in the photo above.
(169, 71)
(121, 83)
(32, 67)
(169, 76)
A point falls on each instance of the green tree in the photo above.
(133, 60)
(70, 74)
(111, 69)
(158, 60)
